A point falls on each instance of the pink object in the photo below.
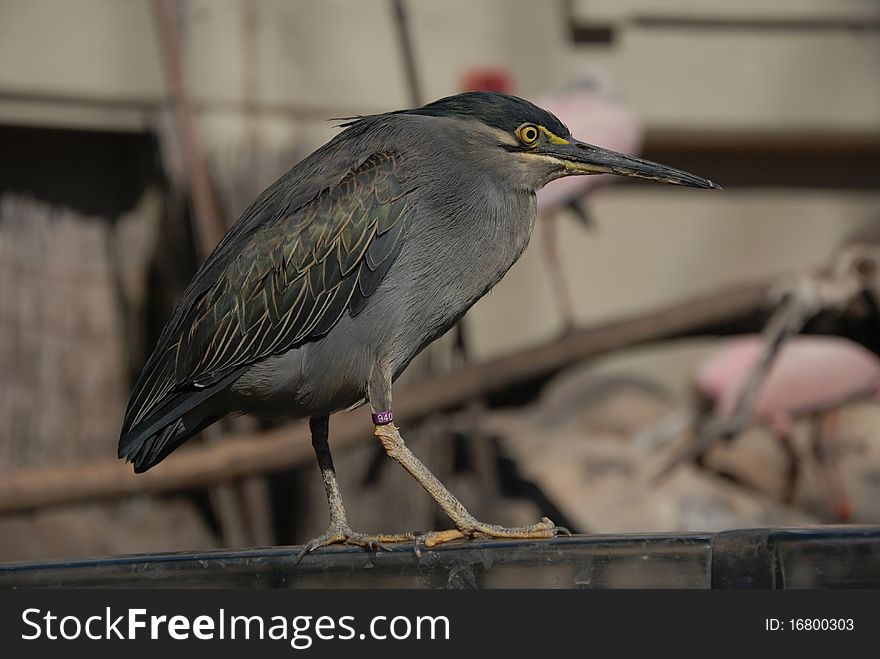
(810, 374)
(595, 116)
(490, 80)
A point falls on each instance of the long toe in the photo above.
(474, 529)
(345, 536)
(543, 529)
(378, 542)
(434, 538)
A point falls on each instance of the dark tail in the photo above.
(181, 416)
(144, 452)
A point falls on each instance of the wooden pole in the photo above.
(209, 226)
(206, 219)
(284, 447)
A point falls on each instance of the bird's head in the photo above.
(539, 147)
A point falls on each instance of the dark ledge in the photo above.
(821, 557)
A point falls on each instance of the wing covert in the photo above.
(291, 282)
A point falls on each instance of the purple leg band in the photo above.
(382, 418)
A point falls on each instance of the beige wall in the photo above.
(659, 244)
(341, 55)
(319, 58)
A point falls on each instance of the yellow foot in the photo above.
(475, 529)
(342, 535)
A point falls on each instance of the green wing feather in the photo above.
(291, 281)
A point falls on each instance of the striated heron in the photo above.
(345, 268)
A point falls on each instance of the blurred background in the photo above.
(133, 132)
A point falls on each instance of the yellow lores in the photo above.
(529, 134)
(553, 137)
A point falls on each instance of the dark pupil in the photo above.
(530, 134)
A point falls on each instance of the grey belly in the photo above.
(331, 374)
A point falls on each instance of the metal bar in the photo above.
(816, 557)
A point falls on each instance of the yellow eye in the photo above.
(528, 133)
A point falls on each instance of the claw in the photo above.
(305, 550)
(321, 541)
(373, 545)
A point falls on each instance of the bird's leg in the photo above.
(466, 525)
(823, 434)
(782, 428)
(339, 532)
(558, 282)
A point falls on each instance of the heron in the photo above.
(341, 271)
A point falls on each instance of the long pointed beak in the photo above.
(583, 158)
